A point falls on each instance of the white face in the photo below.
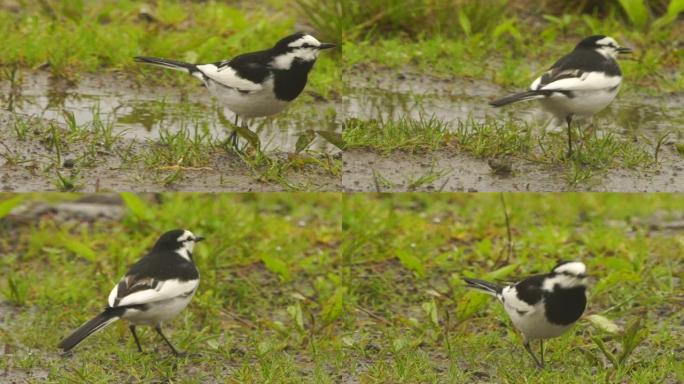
(608, 47)
(306, 49)
(573, 268)
(568, 275)
(188, 240)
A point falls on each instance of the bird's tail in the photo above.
(483, 286)
(100, 321)
(522, 96)
(166, 63)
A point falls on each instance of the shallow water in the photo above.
(142, 112)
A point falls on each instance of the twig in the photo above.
(373, 315)
(509, 247)
(240, 320)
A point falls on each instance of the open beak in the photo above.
(624, 50)
(326, 46)
(198, 239)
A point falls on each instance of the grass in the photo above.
(594, 153)
(344, 288)
(405, 134)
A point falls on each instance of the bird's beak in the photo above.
(326, 46)
(198, 239)
(624, 50)
(582, 275)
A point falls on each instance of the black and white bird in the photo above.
(542, 306)
(580, 84)
(154, 290)
(256, 84)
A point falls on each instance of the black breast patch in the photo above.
(564, 307)
(288, 84)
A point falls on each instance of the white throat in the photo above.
(284, 61)
(608, 52)
(563, 281)
(185, 253)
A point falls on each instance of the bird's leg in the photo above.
(135, 336)
(529, 349)
(234, 135)
(159, 331)
(233, 138)
(541, 351)
(568, 119)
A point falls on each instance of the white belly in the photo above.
(159, 311)
(534, 326)
(248, 105)
(584, 104)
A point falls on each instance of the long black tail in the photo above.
(484, 286)
(166, 63)
(522, 96)
(100, 321)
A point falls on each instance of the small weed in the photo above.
(679, 147)
(12, 157)
(67, 183)
(185, 147)
(429, 177)
(628, 340)
(21, 128)
(17, 289)
(381, 182)
(103, 131)
(659, 143)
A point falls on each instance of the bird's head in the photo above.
(567, 274)
(299, 47)
(177, 240)
(605, 45)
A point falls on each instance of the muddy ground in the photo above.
(139, 114)
(371, 172)
(387, 94)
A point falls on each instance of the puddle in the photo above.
(385, 95)
(140, 112)
(137, 116)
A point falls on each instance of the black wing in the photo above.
(251, 66)
(530, 289)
